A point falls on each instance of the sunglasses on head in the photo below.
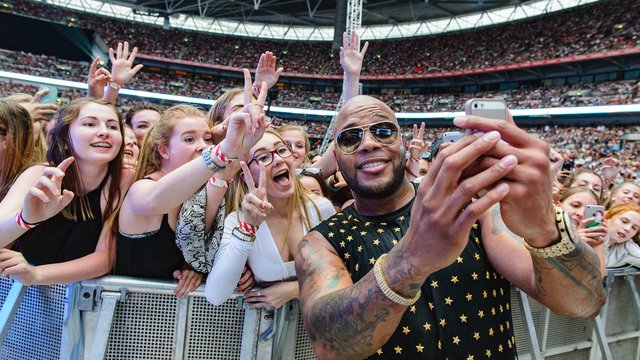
(384, 132)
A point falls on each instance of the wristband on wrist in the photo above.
(383, 284)
(217, 152)
(114, 85)
(206, 156)
(23, 224)
(256, 89)
(248, 228)
(219, 182)
(567, 238)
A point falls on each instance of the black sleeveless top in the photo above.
(153, 254)
(464, 311)
(59, 239)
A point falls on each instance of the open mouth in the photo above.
(372, 164)
(101, 145)
(621, 235)
(128, 153)
(282, 178)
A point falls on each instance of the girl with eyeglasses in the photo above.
(270, 214)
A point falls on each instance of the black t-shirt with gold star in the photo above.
(464, 311)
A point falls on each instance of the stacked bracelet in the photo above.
(567, 238)
(23, 224)
(248, 228)
(206, 156)
(383, 284)
(219, 182)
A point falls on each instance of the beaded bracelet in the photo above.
(22, 223)
(219, 182)
(248, 228)
(383, 284)
(206, 156)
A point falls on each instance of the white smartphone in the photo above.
(451, 136)
(594, 211)
(487, 108)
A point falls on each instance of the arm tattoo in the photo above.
(499, 226)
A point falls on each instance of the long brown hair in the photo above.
(301, 196)
(62, 148)
(217, 110)
(15, 126)
(40, 142)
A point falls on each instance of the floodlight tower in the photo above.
(354, 21)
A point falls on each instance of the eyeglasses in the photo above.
(267, 158)
(384, 132)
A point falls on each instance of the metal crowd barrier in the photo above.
(125, 318)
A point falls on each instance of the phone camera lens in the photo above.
(475, 106)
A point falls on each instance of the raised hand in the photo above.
(37, 111)
(245, 127)
(417, 145)
(97, 79)
(266, 71)
(122, 69)
(188, 281)
(47, 198)
(255, 205)
(14, 265)
(350, 57)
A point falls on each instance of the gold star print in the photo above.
(470, 357)
(372, 261)
(426, 326)
(342, 231)
(357, 267)
(376, 242)
(459, 260)
(331, 223)
(488, 353)
(380, 231)
(484, 294)
(477, 256)
(439, 344)
(501, 328)
(488, 276)
(463, 318)
(509, 343)
(363, 233)
(476, 240)
(501, 291)
(434, 284)
(401, 218)
(481, 314)
(379, 351)
(456, 340)
(495, 276)
(431, 306)
(506, 306)
(394, 241)
(469, 297)
(500, 348)
(367, 223)
(342, 244)
(347, 256)
(475, 226)
(331, 234)
(476, 336)
(359, 248)
(405, 330)
(501, 309)
(474, 276)
(495, 293)
(454, 279)
(443, 322)
(398, 349)
(354, 227)
(508, 325)
(349, 217)
(412, 309)
(493, 311)
(396, 229)
(419, 348)
(349, 238)
(490, 331)
(448, 300)
(345, 222)
(383, 224)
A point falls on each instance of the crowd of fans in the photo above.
(603, 26)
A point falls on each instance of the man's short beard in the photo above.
(378, 191)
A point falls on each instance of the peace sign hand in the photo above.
(417, 145)
(46, 198)
(255, 206)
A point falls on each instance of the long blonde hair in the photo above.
(15, 126)
(41, 144)
(301, 196)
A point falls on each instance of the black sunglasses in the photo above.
(384, 132)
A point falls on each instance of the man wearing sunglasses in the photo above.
(424, 271)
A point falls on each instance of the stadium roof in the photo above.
(313, 20)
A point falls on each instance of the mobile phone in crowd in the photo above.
(51, 97)
(451, 136)
(488, 108)
(594, 211)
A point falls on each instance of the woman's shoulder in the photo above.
(324, 205)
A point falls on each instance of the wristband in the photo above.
(248, 228)
(217, 152)
(219, 182)
(206, 156)
(256, 89)
(114, 85)
(383, 284)
(23, 224)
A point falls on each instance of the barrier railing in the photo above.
(125, 318)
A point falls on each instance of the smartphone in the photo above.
(594, 211)
(51, 97)
(487, 108)
(452, 136)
